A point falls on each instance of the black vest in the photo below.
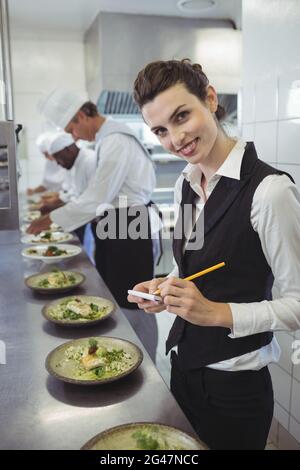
(247, 277)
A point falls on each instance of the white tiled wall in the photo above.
(39, 64)
(285, 341)
(281, 415)
(289, 93)
(289, 141)
(282, 383)
(295, 428)
(266, 92)
(265, 138)
(295, 402)
(296, 371)
(248, 132)
(271, 116)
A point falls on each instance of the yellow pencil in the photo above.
(200, 273)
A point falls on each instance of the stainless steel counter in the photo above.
(36, 410)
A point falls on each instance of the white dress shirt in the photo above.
(123, 173)
(53, 176)
(275, 216)
(79, 175)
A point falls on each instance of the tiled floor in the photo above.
(270, 446)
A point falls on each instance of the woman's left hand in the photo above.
(184, 299)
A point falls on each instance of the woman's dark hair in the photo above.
(89, 109)
(158, 76)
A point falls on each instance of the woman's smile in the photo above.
(189, 149)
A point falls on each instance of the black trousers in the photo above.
(80, 231)
(228, 410)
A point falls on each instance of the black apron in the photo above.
(123, 262)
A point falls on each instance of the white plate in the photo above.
(72, 250)
(33, 207)
(31, 216)
(53, 228)
(34, 198)
(144, 295)
(58, 237)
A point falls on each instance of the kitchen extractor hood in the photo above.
(116, 102)
(121, 102)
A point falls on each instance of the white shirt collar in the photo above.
(99, 134)
(231, 167)
(78, 158)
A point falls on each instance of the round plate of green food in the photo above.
(51, 253)
(93, 361)
(78, 310)
(47, 237)
(143, 436)
(54, 282)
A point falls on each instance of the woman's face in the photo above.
(185, 125)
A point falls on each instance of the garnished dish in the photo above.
(55, 281)
(31, 216)
(53, 228)
(47, 237)
(51, 253)
(96, 360)
(143, 436)
(34, 206)
(34, 198)
(78, 310)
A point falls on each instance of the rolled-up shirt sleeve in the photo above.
(113, 166)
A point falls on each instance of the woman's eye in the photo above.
(182, 115)
(160, 132)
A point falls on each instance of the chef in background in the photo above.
(124, 179)
(80, 164)
(54, 175)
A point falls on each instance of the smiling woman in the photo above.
(182, 110)
(222, 336)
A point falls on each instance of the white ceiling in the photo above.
(76, 15)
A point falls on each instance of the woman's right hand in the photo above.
(149, 287)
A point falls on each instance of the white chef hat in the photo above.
(60, 106)
(43, 141)
(60, 141)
